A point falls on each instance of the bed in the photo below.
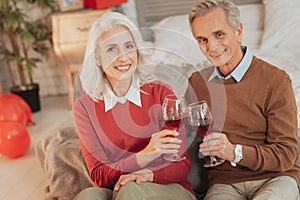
(270, 30)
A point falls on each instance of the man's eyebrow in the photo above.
(218, 31)
(200, 37)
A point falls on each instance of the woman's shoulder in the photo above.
(155, 86)
(84, 100)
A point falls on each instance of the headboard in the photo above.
(151, 11)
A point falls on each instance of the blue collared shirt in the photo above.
(132, 95)
(239, 72)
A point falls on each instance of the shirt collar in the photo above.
(239, 72)
(132, 95)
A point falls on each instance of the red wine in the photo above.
(201, 130)
(175, 124)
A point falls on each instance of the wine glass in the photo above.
(201, 121)
(174, 112)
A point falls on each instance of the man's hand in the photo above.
(217, 144)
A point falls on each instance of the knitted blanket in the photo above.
(60, 157)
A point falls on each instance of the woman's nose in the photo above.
(123, 56)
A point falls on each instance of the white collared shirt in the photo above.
(239, 72)
(132, 95)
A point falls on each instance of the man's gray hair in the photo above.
(202, 7)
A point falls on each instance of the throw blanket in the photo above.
(60, 157)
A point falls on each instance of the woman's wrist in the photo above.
(144, 158)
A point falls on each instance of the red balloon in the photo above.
(18, 100)
(12, 111)
(14, 139)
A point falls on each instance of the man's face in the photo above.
(217, 39)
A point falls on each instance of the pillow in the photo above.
(282, 24)
(174, 43)
(252, 18)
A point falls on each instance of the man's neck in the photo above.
(232, 64)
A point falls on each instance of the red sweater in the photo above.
(110, 140)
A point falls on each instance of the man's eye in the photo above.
(202, 40)
(219, 35)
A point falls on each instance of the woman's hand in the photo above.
(163, 142)
(144, 175)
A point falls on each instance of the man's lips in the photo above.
(217, 54)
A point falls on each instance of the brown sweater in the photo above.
(259, 113)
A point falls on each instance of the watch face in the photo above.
(238, 152)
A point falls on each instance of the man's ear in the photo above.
(239, 32)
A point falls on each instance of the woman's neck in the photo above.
(121, 87)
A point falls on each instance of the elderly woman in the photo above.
(123, 137)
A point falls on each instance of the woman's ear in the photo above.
(98, 61)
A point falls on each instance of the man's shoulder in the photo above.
(264, 67)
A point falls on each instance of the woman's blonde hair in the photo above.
(91, 75)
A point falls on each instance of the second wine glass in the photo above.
(201, 121)
(174, 112)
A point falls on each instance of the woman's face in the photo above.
(118, 54)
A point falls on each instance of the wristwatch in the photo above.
(238, 151)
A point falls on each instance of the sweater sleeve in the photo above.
(280, 151)
(173, 172)
(103, 172)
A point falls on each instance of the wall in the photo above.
(49, 74)
(129, 9)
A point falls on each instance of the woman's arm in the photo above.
(103, 171)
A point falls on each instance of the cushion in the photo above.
(174, 42)
(60, 157)
(282, 20)
(252, 18)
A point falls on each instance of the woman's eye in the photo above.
(112, 49)
(130, 46)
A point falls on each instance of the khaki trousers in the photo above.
(279, 188)
(142, 191)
